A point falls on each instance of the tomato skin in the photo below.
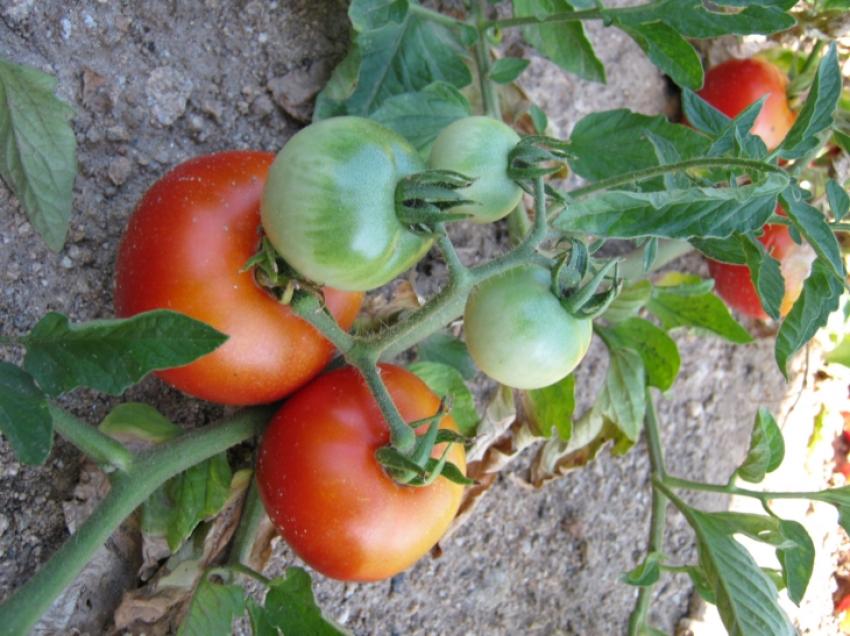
(478, 147)
(329, 204)
(518, 333)
(183, 249)
(325, 491)
(733, 85)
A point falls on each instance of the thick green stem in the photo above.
(482, 59)
(308, 308)
(569, 16)
(728, 489)
(253, 513)
(402, 437)
(150, 470)
(658, 518)
(100, 447)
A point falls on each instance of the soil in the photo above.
(153, 84)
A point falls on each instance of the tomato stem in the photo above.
(567, 16)
(482, 59)
(310, 309)
(402, 437)
(99, 446)
(766, 495)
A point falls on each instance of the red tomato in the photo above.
(325, 491)
(184, 249)
(732, 86)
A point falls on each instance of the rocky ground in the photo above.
(153, 84)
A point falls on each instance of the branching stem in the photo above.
(99, 446)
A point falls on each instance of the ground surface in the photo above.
(156, 83)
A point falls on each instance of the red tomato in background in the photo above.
(325, 491)
(732, 86)
(184, 249)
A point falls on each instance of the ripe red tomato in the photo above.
(325, 491)
(732, 86)
(184, 249)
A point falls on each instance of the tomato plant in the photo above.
(185, 249)
(518, 332)
(735, 84)
(478, 147)
(330, 204)
(331, 500)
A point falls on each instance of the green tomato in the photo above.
(519, 334)
(329, 204)
(478, 147)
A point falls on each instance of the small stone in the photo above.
(167, 94)
(262, 106)
(67, 28)
(196, 123)
(4, 524)
(66, 263)
(213, 109)
(294, 91)
(117, 133)
(119, 170)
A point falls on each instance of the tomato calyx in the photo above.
(419, 468)
(537, 156)
(425, 199)
(584, 300)
(277, 277)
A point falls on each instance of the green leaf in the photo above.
(746, 598)
(213, 609)
(291, 608)
(703, 212)
(841, 353)
(261, 624)
(767, 448)
(658, 351)
(420, 116)
(629, 301)
(111, 355)
(551, 408)
(811, 223)
(135, 421)
(445, 348)
(623, 397)
(38, 161)
(765, 274)
(669, 51)
(447, 381)
(819, 298)
(615, 142)
(839, 201)
(647, 573)
(702, 115)
(564, 43)
(797, 561)
(816, 114)
(397, 52)
(538, 119)
(702, 310)
(701, 584)
(507, 69)
(725, 250)
(24, 417)
(840, 498)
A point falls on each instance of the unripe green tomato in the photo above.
(329, 204)
(478, 147)
(518, 333)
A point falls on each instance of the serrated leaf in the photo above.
(445, 348)
(551, 408)
(420, 116)
(111, 355)
(702, 310)
(702, 212)
(447, 381)
(213, 608)
(745, 597)
(629, 301)
(797, 561)
(135, 421)
(812, 225)
(766, 275)
(507, 69)
(646, 573)
(702, 115)
(291, 608)
(38, 161)
(819, 298)
(658, 351)
(24, 415)
(816, 114)
(622, 399)
(767, 448)
(725, 250)
(564, 43)
(839, 201)
(669, 51)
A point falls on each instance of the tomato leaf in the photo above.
(668, 50)
(564, 43)
(213, 608)
(765, 274)
(703, 212)
(24, 416)
(646, 573)
(839, 201)
(445, 348)
(447, 381)
(622, 399)
(111, 355)
(736, 139)
(840, 498)
(658, 351)
(819, 298)
(817, 112)
(701, 584)
(420, 116)
(38, 161)
(811, 223)
(135, 421)
(507, 69)
(291, 608)
(397, 51)
(797, 561)
(745, 596)
(689, 305)
(725, 250)
(767, 448)
(841, 353)
(550, 409)
(702, 115)
(629, 301)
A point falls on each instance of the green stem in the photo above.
(238, 568)
(482, 59)
(568, 16)
(658, 517)
(99, 446)
(631, 266)
(435, 16)
(457, 270)
(728, 489)
(253, 513)
(402, 437)
(149, 471)
(310, 309)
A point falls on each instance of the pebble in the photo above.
(119, 170)
(66, 263)
(4, 524)
(167, 94)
